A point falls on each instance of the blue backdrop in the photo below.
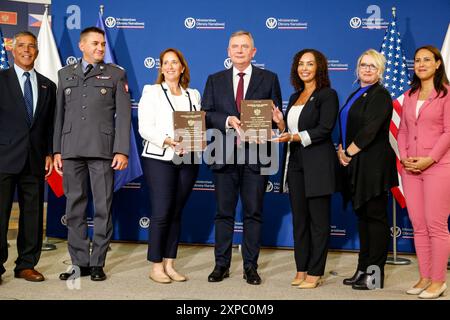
(139, 30)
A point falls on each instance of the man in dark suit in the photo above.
(222, 98)
(91, 140)
(27, 103)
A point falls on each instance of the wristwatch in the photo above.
(346, 154)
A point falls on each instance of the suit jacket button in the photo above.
(83, 118)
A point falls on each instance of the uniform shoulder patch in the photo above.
(116, 65)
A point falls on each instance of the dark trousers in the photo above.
(230, 182)
(30, 190)
(77, 174)
(311, 223)
(373, 233)
(170, 186)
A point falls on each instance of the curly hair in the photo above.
(440, 78)
(185, 77)
(322, 79)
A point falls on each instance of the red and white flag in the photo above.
(396, 81)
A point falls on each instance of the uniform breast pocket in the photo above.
(71, 89)
(104, 88)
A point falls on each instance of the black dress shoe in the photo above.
(368, 282)
(84, 272)
(97, 274)
(349, 281)
(218, 274)
(252, 276)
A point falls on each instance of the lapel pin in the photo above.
(68, 91)
(43, 86)
(365, 94)
(102, 67)
(311, 99)
(103, 91)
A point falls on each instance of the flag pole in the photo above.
(46, 245)
(395, 260)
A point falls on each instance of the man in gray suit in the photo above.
(91, 140)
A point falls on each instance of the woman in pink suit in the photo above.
(424, 145)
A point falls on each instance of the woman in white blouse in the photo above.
(170, 182)
(310, 162)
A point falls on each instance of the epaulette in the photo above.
(116, 65)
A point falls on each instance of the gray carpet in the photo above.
(127, 270)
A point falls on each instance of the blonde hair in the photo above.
(380, 63)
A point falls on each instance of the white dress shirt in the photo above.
(247, 76)
(292, 123)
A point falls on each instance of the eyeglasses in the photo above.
(371, 67)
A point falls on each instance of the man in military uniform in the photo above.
(91, 140)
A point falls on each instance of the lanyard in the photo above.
(189, 97)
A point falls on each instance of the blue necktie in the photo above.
(28, 96)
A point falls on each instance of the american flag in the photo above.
(396, 81)
(3, 54)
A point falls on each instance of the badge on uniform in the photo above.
(103, 77)
(103, 91)
(68, 91)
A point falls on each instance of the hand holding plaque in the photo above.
(190, 128)
(256, 120)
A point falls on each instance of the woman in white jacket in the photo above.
(170, 182)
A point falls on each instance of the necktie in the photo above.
(88, 69)
(240, 91)
(28, 96)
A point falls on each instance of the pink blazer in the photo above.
(429, 133)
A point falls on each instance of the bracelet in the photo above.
(292, 138)
(346, 154)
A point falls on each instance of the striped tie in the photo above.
(28, 96)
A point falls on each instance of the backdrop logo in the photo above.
(337, 65)
(71, 60)
(110, 22)
(269, 187)
(398, 232)
(64, 220)
(150, 63)
(285, 24)
(355, 22)
(373, 21)
(204, 185)
(200, 23)
(189, 23)
(144, 222)
(271, 23)
(227, 63)
(124, 23)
